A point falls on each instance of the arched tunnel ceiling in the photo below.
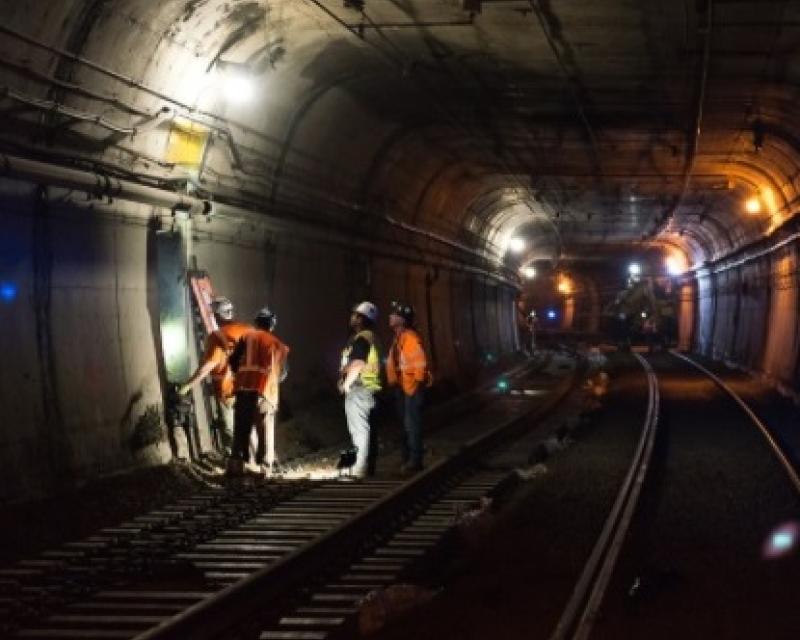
(578, 123)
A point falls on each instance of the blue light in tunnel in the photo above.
(551, 314)
(502, 385)
(8, 291)
(782, 540)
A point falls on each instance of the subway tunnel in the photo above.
(309, 154)
(478, 159)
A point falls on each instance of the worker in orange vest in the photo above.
(259, 361)
(407, 369)
(219, 346)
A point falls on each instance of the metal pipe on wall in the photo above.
(100, 185)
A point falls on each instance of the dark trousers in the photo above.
(409, 410)
(248, 412)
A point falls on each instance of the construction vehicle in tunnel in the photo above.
(643, 313)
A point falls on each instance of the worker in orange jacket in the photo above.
(259, 361)
(407, 369)
(219, 346)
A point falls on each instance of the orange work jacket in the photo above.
(407, 364)
(219, 346)
(260, 365)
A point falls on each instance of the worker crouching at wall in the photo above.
(219, 346)
(259, 361)
(359, 380)
(407, 369)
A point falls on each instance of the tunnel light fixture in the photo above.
(516, 244)
(238, 87)
(753, 205)
(564, 285)
(529, 273)
(634, 269)
(8, 291)
(551, 314)
(673, 266)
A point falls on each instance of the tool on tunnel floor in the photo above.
(347, 458)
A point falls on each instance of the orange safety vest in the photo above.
(219, 346)
(260, 366)
(406, 364)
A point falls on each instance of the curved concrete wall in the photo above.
(748, 313)
(81, 337)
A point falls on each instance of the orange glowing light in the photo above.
(753, 205)
(564, 285)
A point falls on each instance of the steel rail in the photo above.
(246, 599)
(578, 616)
(776, 448)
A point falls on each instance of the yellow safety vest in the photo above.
(370, 375)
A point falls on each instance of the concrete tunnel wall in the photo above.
(335, 138)
(748, 314)
(81, 335)
(83, 346)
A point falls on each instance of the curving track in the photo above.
(708, 551)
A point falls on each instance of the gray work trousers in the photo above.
(358, 403)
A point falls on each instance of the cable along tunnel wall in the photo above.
(81, 391)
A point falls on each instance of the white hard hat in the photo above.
(222, 307)
(368, 310)
(267, 317)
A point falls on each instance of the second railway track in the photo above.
(697, 544)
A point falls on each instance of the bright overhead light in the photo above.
(753, 205)
(635, 269)
(516, 244)
(564, 285)
(673, 265)
(529, 273)
(238, 87)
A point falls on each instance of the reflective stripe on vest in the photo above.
(252, 374)
(370, 375)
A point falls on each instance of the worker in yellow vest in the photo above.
(359, 380)
(259, 361)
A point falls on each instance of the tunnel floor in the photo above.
(521, 573)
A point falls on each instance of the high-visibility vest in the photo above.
(219, 346)
(407, 364)
(260, 366)
(370, 375)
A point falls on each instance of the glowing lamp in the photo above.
(635, 269)
(673, 266)
(8, 291)
(516, 244)
(753, 205)
(238, 87)
(551, 314)
(529, 273)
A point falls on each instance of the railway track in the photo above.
(204, 565)
(639, 527)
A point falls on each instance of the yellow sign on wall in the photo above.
(187, 143)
